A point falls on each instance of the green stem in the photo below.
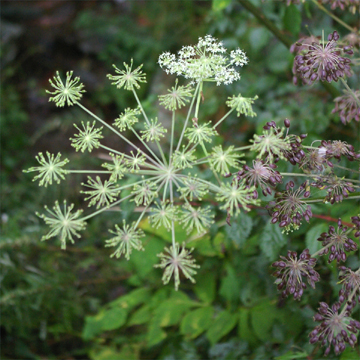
(327, 12)
(128, 157)
(187, 117)
(172, 136)
(350, 91)
(243, 148)
(172, 221)
(314, 176)
(148, 122)
(223, 118)
(210, 163)
(105, 208)
(283, 38)
(147, 147)
(350, 197)
(345, 168)
(115, 131)
(89, 172)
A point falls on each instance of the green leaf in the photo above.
(271, 241)
(106, 353)
(349, 354)
(240, 230)
(196, 322)
(279, 58)
(222, 325)
(144, 260)
(155, 334)
(134, 298)
(140, 316)
(258, 38)
(218, 5)
(244, 329)
(203, 246)
(230, 288)
(290, 355)
(170, 311)
(263, 317)
(205, 287)
(105, 320)
(292, 19)
(312, 235)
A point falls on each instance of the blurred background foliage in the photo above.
(79, 303)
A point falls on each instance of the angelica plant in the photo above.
(167, 186)
(163, 188)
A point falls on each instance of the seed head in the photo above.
(335, 329)
(323, 61)
(290, 272)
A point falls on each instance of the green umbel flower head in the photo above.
(196, 217)
(183, 158)
(271, 144)
(242, 105)
(118, 168)
(174, 260)
(127, 119)
(153, 131)
(88, 138)
(103, 194)
(205, 61)
(177, 97)
(65, 224)
(163, 215)
(222, 160)
(69, 93)
(193, 188)
(127, 238)
(199, 133)
(236, 195)
(49, 170)
(128, 79)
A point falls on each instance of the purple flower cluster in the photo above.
(336, 242)
(291, 270)
(337, 188)
(289, 207)
(350, 291)
(347, 106)
(335, 329)
(322, 62)
(356, 221)
(261, 175)
(296, 153)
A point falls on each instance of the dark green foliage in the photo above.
(81, 304)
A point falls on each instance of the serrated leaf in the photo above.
(218, 5)
(292, 19)
(105, 320)
(203, 246)
(132, 299)
(155, 334)
(312, 235)
(258, 38)
(290, 355)
(230, 288)
(240, 230)
(262, 319)
(244, 329)
(170, 311)
(140, 316)
(205, 287)
(271, 241)
(222, 325)
(196, 322)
